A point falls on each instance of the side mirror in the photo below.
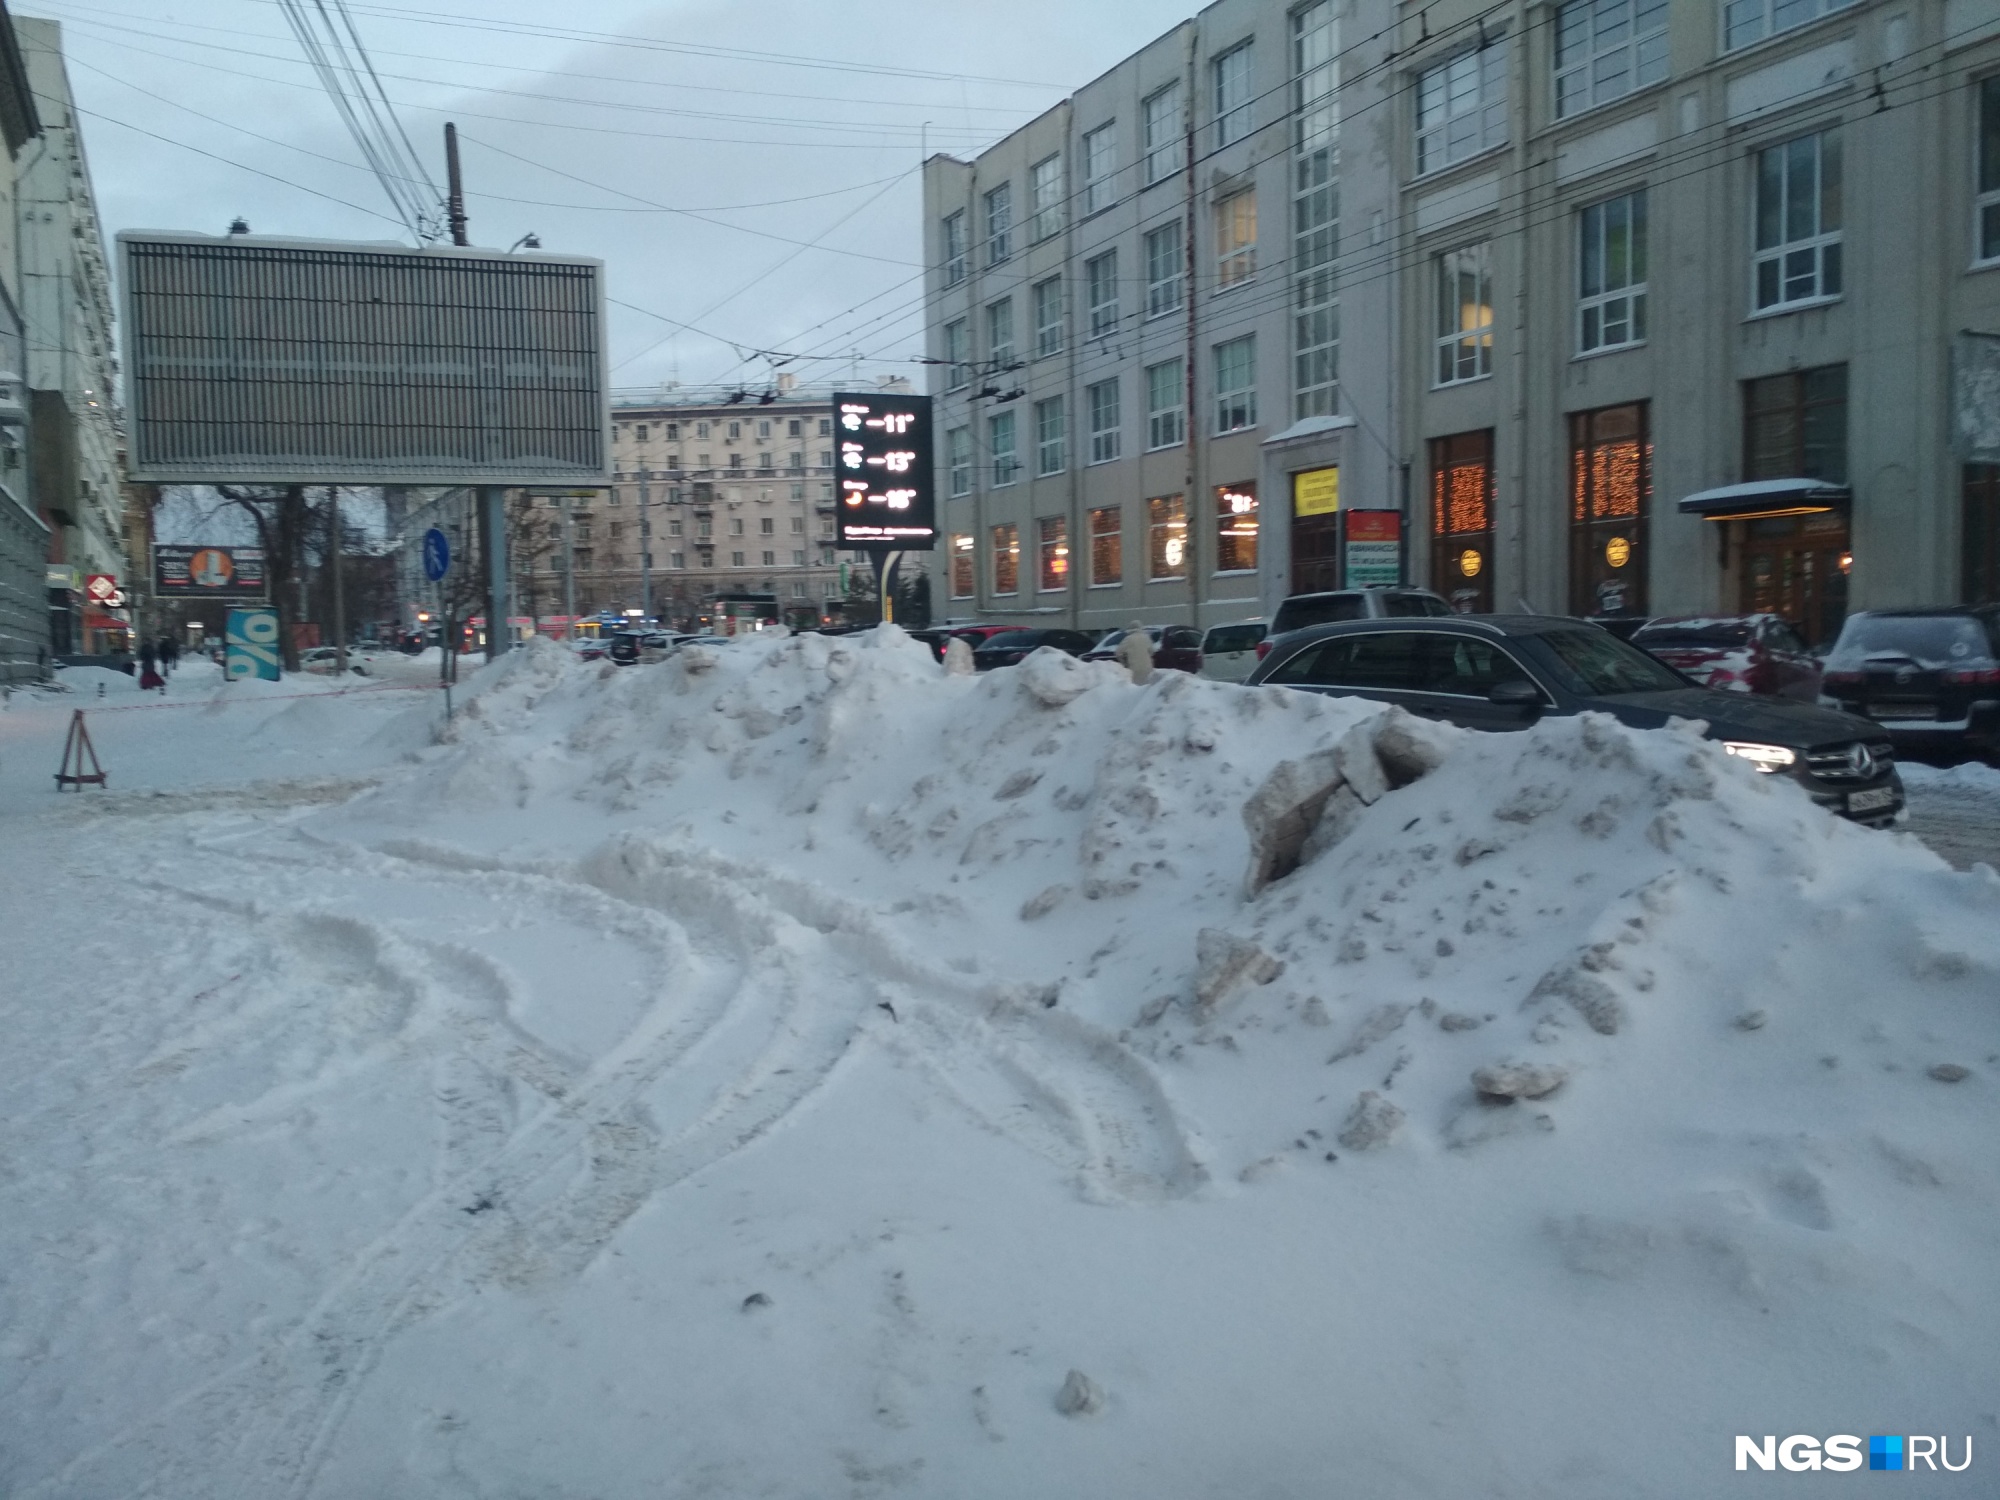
(1516, 692)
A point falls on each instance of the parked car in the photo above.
(1758, 654)
(1006, 647)
(1929, 677)
(627, 647)
(1501, 672)
(1228, 652)
(1302, 610)
(1176, 648)
(325, 660)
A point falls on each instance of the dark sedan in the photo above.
(1011, 646)
(1501, 672)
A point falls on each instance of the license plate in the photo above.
(1881, 797)
(1902, 711)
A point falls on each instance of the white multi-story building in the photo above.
(25, 536)
(1554, 282)
(71, 363)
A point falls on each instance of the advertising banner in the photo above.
(250, 645)
(1316, 492)
(200, 571)
(1374, 548)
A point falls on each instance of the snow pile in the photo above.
(791, 1069)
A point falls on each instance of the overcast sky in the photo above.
(781, 124)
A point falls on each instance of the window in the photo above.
(1465, 314)
(677, 559)
(1611, 482)
(674, 527)
(962, 564)
(1045, 187)
(1048, 304)
(958, 460)
(1236, 384)
(707, 461)
(1235, 104)
(826, 454)
(1166, 405)
(736, 560)
(795, 462)
(642, 432)
(1236, 528)
(1462, 520)
(764, 461)
(767, 525)
(673, 461)
(1747, 21)
(1107, 547)
(1462, 106)
(999, 223)
(770, 559)
(1006, 559)
(1051, 554)
(1795, 425)
(1611, 273)
(735, 431)
(701, 431)
(582, 533)
(736, 526)
(1104, 426)
(798, 522)
(1798, 221)
(957, 357)
(1000, 443)
(1049, 445)
(1100, 282)
(794, 428)
(584, 558)
(1100, 168)
(1235, 239)
(1607, 48)
(1000, 334)
(1166, 150)
(1165, 262)
(1166, 538)
(799, 589)
(617, 530)
(953, 250)
(1316, 212)
(1987, 214)
(764, 429)
(826, 426)
(735, 462)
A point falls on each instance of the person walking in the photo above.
(1135, 652)
(149, 676)
(170, 655)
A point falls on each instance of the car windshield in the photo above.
(1928, 640)
(1233, 638)
(1597, 664)
(1719, 634)
(1013, 640)
(1318, 609)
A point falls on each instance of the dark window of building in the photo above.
(1982, 533)
(1611, 486)
(1795, 425)
(1462, 520)
(1796, 567)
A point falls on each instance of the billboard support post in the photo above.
(339, 603)
(493, 546)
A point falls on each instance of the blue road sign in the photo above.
(437, 555)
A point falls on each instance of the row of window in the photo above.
(586, 561)
(729, 431)
(766, 526)
(1234, 368)
(1166, 549)
(704, 463)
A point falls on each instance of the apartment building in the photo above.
(24, 534)
(735, 490)
(71, 361)
(1639, 308)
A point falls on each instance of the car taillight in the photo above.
(1263, 649)
(1973, 674)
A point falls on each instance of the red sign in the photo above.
(101, 588)
(1374, 525)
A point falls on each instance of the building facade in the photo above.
(71, 361)
(1622, 306)
(716, 494)
(25, 536)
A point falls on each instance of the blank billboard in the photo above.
(254, 360)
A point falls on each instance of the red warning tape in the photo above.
(222, 697)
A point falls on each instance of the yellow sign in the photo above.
(1316, 492)
(1469, 562)
(1618, 552)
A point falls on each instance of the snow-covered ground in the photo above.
(773, 1072)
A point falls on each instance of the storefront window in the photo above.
(1235, 528)
(1462, 520)
(1611, 461)
(1166, 537)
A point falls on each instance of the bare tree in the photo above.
(285, 520)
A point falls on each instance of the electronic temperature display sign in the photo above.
(885, 485)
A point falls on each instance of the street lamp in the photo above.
(525, 242)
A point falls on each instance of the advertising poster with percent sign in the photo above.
(887, 491)
(250, 645)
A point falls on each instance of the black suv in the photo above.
(1507, 671)
(1011, 646)
(1929, 677)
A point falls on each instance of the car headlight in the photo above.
(1763, 757)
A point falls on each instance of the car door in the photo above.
(1798, 670)
(1461, 671)
(1229, 652)
(1387, 667)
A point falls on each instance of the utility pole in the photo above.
(339, 599)
(645, 545)
(499, 585)
(569, 565)
(455, 197)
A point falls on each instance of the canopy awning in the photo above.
(1761, 498)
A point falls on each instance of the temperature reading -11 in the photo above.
(886, 492)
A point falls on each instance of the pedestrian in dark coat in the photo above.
(149, 677)
(170, 653)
